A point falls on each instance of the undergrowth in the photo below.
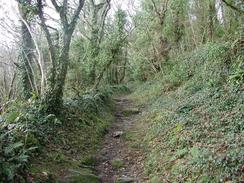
(40, 147)
(195, 116)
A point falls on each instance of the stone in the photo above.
(131, 111)
(85, 179)
(125, 180)
(84, 176)
(118, 134)
(117, 163)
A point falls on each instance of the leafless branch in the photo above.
(233, 7)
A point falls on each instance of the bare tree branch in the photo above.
(55, 4)
(47, 32)
(76, 15)
(233, 7)
(161, 13)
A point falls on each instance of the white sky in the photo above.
(9, 15)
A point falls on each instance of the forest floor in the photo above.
(114, 157)
(120, 160)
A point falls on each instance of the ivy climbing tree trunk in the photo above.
(117, 47)
(179, 14)
(212, 19)
(160, 11)
(53, 97)
(98, 16)
(26, 55)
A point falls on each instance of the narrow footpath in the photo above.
(118, 162)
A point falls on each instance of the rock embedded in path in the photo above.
(125, 180)
(117, 163)
(81, 176)
(130, 111)
(91, 178)
(118, 134)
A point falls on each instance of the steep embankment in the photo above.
(194, 122)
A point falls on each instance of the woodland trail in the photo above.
(117, 161)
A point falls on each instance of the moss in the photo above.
(89, 160)
(129, 136)
(117, 163)
(155, 179)
(84, 178)
(125, 180)
(131, 111)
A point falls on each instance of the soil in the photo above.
(117, 160)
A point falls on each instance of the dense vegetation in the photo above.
(194, 120)
(183, 60)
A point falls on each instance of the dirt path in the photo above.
(118, 162)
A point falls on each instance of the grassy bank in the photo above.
(40, 147)
(194, 114)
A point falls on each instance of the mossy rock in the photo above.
(82, 176)
(125, 180)
(155, 179)
(130, 111)
(85, 178)
(89, 160)
(117, 163)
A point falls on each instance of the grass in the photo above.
(43, 147)
(195, 120)
(75, 144)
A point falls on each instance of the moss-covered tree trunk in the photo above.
(212, 19)
(93, 50)
(26, 55)
(53, 97)
(98, 15)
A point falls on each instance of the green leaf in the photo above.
(12, 117)
(195, 152)
(12, 147)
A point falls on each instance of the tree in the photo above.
(178, 8)
(26, 55)
(163, 50)
(238, 7)
(98, 14)
(117, 49)
(212, 19)
(53, 98)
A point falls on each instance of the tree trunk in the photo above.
(54, 96)
(26, 53)
(94, 48)
(212, 19)
(99, 13)
(124, 66)
(100, 76)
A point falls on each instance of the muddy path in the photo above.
(118, 162)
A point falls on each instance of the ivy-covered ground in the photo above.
(193, 126)
(40, 147)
